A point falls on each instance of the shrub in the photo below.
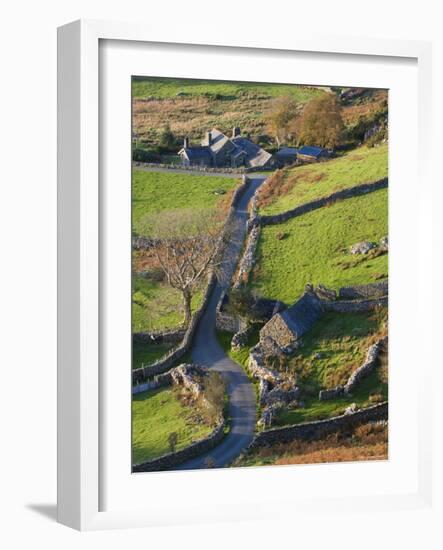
(143, 155)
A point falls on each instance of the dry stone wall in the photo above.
(170, 460)
(203, 169)
(320, 203)
(370, 363)
(166, 337)
(355, 306)
(168, 361)
(320, 428)
(364, 292)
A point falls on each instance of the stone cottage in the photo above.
(218, 150)
(285, 328)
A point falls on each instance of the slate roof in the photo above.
(197, 154)
(219, 140)
(287, 151)
(302, 315)
(255, 155)
(311, 151)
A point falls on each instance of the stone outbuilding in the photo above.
(286, 327)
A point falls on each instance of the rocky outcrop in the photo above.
(362, 247)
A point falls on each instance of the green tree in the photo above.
(321, 122)
(280, 118)
(167, 138)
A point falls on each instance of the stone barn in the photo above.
(312, 154)
(285, 328)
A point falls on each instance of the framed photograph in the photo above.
(240, 267)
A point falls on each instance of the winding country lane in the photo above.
(207, 351)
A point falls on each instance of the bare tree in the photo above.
(188, 245)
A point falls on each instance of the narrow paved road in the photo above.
(207, 351)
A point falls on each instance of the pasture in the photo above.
(157, 414)
(153, 192)
(314, 248)
(313, 181)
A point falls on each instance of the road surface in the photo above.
(207, 351)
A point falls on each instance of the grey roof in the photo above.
(219, 140)
(302, 315)
(197, 153)
(287, 151)
(311, 151)
(255, 155)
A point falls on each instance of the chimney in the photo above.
(185, 142)
(208, 138)
(235, 131)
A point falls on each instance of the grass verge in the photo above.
(155, 416)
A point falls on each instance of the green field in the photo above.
(309, 182)
(157, 306)
(153, 192)
(315, 248)
(334, 348)
(157, 414)
(163, 88)
(374, 385)
(145, 354)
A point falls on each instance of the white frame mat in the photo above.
(95, 487)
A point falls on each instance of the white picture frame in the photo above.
(80, 395)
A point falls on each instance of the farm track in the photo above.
(207, 351)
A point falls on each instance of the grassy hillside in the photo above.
(367, 442)
(157, 414)
(305, 183)
(157, 306)
(192, 106)
(156, 191)
(315, 248)
(145, 354)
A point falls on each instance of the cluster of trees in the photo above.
(319, 123)
(167, 143)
